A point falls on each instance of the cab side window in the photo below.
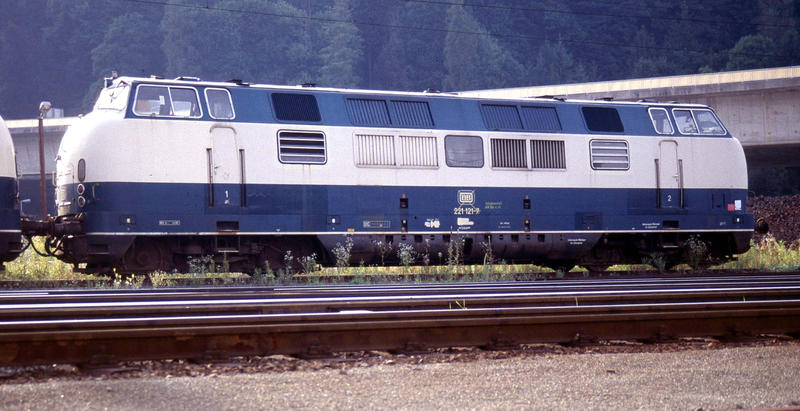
(219, 104)
(163, 101)
(685, 121)
(152, 101)
(660, 120)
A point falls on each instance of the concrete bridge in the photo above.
(759, 107)
(25, 134)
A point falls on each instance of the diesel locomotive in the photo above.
(162, 171)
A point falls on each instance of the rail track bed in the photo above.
(95, 327)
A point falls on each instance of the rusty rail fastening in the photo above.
(103, 335)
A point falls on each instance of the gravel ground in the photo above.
(690, 375)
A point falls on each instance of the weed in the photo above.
(267, 276)
(384, 249)
(128, 280)
(159, 279)
(31, 266)
(768, 254)
(657, 261)
(309, 263)
(285, 275)
(202, 265)
(697, 252)
(455, 250)
(342, 253)
(406, 254)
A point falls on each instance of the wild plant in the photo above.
(697, 251)
(657, 261)
(384, 249)
(309, 263)
(406, 254)
(342, 253)
(455, 249)
(202, 265)
(159, 279)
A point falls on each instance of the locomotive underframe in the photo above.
(238, 252)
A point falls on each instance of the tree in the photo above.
(127, 48)
(68, 39)
(412, 59)
(554, 65)
(473, 59)
(375, 35)
(753, 51)
(22, 63)
(203, 42)
(342, 52)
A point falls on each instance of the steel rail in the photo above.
(186, 293)
(122, 308)
(97, 341)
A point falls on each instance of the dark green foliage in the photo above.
(59, 50)
(473, 59)
(343, 48)
(750, 52)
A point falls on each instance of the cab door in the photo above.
(669, 180)
(225, 168)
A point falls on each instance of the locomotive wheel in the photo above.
(147, 255)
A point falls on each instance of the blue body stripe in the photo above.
(254, 105)
(184, 208)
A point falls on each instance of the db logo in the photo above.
(466, 197)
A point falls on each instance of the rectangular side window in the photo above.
(301, 147)
(548, 154)
(418, 151)
(152, 101)
(296, 107)
(698, 121)
(609, 154)
(509, 153)
(374, 150)
(602, 119)
(685, 121)
(660, 120)
(164, 101)
(185, 102)
(463, 151)
(219, 104)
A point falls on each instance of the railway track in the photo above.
(106, 326)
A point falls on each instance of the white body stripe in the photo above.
(164, 151)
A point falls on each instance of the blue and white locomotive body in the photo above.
(10, 234)
(165, 170)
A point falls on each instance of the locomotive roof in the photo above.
(196, 82)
